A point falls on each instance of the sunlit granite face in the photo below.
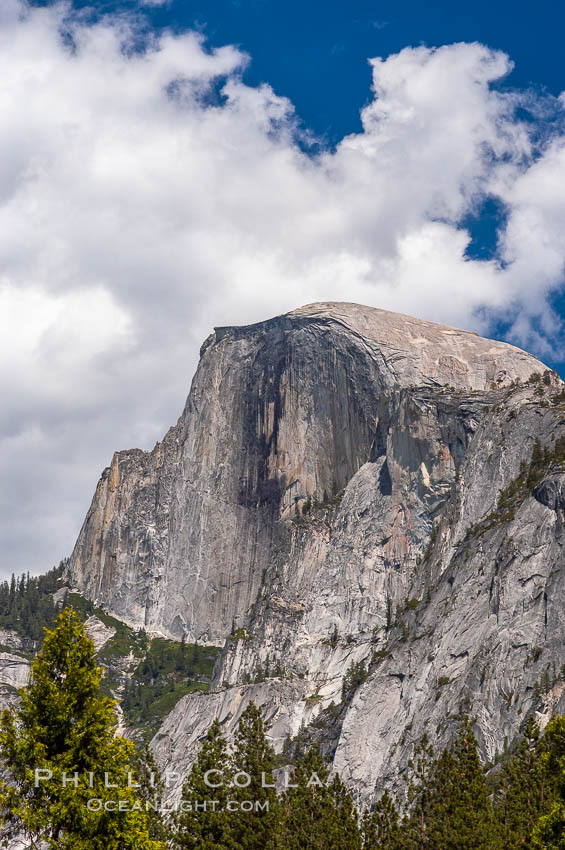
(323, 497)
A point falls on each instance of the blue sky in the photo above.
(169, 167)
(316, 55)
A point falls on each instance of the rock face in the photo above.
(11, 639)
(178, 539)
(14, 670)
(14, 673)
(15, 664)
(15, 652)
(348, 485)
(98, 632)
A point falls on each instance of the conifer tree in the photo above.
(65, 728)
(315, 815)
(443, 801)
(346, 817)
(12, 592)
(381, 827)
(151, 792)
(252, 764)
(203, 821)
(461, 816)
(521, 789)
(181, 655)
(549, 832)
(419, 795)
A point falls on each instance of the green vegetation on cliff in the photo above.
(26, 603)
(64, 724)
(167, 671)
(148, 676)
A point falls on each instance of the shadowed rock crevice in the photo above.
(340, 494)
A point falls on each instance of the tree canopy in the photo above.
(71, 783)
(70, 778)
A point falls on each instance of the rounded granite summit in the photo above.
(410, 351)
(332, 466)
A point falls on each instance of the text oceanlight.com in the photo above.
(213, 778)
(97, 805)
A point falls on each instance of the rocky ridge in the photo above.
(15, 664)
(348, 490)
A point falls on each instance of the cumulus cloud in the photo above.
(147, 194)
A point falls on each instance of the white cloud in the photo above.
(146, 196)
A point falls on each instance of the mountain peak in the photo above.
(420, 352)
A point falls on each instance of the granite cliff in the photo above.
(365, 509)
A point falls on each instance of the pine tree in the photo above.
(443, 802)
(63, 725)
(419, 795)
(252, 764)
(346, 817)
(381, 827)
(549, 832)
(151, 792)
(203, 821)
(181, 656)
(521, 789)
(315, 815)
(461, 816)
(12, 592)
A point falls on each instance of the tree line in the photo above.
(26, 602)
(449, 802)
(59, 753)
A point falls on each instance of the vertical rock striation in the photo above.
(347, 485)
